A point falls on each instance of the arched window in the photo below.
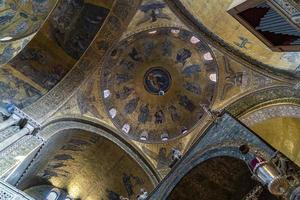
(52, 195)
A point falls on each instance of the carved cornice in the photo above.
(248, 102)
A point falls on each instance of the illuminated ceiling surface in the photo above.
(155, 86)
(19, 21)
(155, 83)
(282, 133)
(213, 15)
(280, 130)
(28, 73)
(22, 18)
(87, 166)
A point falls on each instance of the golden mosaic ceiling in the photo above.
(155, 84)
(32, 65)
(86, 166)
(19, 21)
(213, 15)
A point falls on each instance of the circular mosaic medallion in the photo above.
(157, 81)
(155, 84)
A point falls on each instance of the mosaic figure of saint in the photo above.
(122, 78)
(127, 183)
(167, 48)
(183, 55)
(163, 157)
(159, 117)
(235, 79)
(152, 12)
(6, 18)
(7, 54)
(135, 55)
(190, 70)
(124, 92)
(156, 80)
(131, 105)
(34, 55)
(111, 195)
(148, 47)
(186, 103)
(144, 114)
(127, 64)
(192, 87)
(174, 114)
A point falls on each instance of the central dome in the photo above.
(155, 84)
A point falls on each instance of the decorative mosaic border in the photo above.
(270, 112)
(261, 97)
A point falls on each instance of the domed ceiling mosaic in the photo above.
(30, 66)
(19, 21)
(21, 18)
(155, 84)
